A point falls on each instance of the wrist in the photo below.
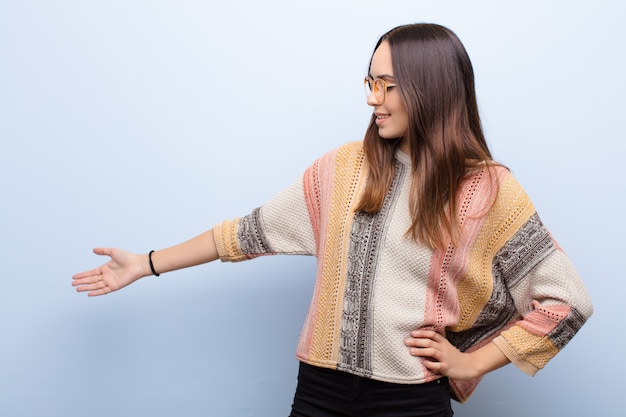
(486, 359)
(151, 264)
(477, 366)
(144, 265)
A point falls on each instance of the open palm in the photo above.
(123, 269)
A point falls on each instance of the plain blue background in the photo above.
(140, 124)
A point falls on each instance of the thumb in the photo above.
(102, 251)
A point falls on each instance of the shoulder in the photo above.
(510, 206)
(352, 147)
(347, 150)
(341, 157)
(491, 188)
(492, 179)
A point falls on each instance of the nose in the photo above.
(372, 100)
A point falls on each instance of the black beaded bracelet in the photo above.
(151, 265)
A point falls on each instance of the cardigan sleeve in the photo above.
(549, 295)
(519, 289)
(294, 221)
(281, 226)
(553, 304)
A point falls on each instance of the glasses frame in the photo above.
(378, 87)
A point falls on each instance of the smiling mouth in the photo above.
(381, 118)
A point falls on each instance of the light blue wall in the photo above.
(139, 124)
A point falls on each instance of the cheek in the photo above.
(399, 110)
(404, 120)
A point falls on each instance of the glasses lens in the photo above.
(377, 87)
(368, 86)
(379, 90)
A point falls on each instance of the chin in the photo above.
(389, 136)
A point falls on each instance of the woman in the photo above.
(433, 266)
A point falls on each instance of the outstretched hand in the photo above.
(123, 269)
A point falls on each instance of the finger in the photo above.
(98, 292)
(419, 342)
(431, 353)
(103, 251)
(91, 273)
(90, 286)
(432, 365)
(78, 282)
(89, 279)
(428, 334)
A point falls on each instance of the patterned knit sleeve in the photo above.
(549, 296)
(281, 226)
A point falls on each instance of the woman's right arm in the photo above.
(124, 268)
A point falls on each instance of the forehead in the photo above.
(381, 61)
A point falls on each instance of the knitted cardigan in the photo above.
(506, 280)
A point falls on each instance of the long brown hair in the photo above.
(435, 79)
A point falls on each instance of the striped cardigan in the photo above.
(506, 281)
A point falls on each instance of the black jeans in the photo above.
(325, 392)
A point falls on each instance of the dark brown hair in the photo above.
(435, 79)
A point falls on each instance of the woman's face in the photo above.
(392, 118)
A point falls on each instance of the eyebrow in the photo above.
(383, 76)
